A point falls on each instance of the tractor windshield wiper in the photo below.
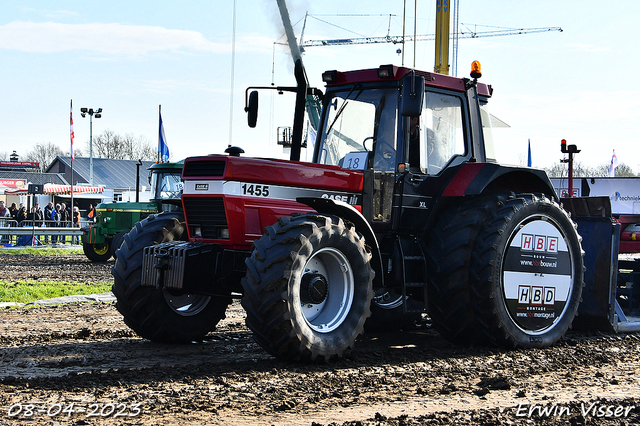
(346, 101)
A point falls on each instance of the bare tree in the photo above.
(107, 145)
(581, 170)
(77, 152)
(624, 170)
(138, 148)
(562, 170)
(111, 145)
(44, 154)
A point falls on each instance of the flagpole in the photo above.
(72, 135)
(159, 133)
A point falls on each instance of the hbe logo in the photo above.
(533, 295)
(539, 243)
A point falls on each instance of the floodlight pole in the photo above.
(90, 111)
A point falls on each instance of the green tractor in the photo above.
(101, 239)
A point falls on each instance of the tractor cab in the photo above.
(166, 185)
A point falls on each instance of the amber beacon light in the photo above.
(476, 69)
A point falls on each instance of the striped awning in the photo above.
(52, 189)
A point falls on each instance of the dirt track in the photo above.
(82, 358)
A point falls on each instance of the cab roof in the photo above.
(396, 73)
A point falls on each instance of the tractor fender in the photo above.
(479, 178)
(348, 212)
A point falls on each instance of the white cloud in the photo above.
(110, 39)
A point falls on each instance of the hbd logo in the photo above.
(539, 243)
(533, 295)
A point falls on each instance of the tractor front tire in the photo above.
(308, 287)
(98, 252)
(528, 270)
(157, 314)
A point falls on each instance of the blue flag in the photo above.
(163, 149)
(529, 159)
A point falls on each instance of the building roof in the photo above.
(33, 177)
(113, 174)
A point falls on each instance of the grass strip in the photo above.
(29, 291)
(48, 251)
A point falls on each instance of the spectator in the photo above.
(13, 210)
(76, 224)
(4, 213)
(22, 216)
(92, 213)
(13, 214)
(37, 215)
(65, 220)
(47, 219)
(55, 221)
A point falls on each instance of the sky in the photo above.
(128, 58)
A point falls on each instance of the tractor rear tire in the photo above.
(308, 287)
(156, 314)
(528, 271)
(98, 252)
(450, 245)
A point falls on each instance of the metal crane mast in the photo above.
(442, 37)
(398, 39)
(442, 43)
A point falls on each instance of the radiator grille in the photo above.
(204, 169)
(208, 214)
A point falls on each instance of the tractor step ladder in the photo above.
(414, 270)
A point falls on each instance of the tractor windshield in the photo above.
(166, 185)
(356, 124)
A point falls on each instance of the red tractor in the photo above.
(403, 210)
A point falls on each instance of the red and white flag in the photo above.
(613, 165)
(71, 133)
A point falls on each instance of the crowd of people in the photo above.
(56, 216)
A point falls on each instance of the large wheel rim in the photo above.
(538, 275)
(334, 287)
(186, 304)
(101, 249)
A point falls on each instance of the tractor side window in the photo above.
(488, 123)
(442, 131)
(355, 123)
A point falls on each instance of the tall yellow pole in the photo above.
(442, 37)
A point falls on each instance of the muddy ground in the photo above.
(79, 364)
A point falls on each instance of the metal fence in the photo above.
(56, 231)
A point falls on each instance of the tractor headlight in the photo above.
(197, 232)
(224, 233)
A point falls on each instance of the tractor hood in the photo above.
(271, 171)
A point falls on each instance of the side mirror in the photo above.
(412, 95)
(252, 109)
